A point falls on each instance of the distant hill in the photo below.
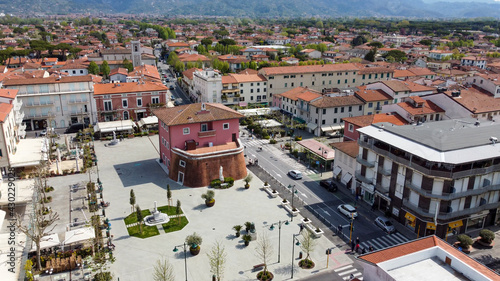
(260, 8)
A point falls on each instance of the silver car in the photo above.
(295, 174)
(348, 210)
(385, 224)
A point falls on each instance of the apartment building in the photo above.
(473, 61)
(244, 88)
(416, 110)
(440, 178)
(327, 113)
(55, 101)
(373, 100)
(207, 86)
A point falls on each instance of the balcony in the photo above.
(382, 189)
(384, 172)
(452, 195)
(18, 105)
(75, 101)
(41, 115)
(448, 215)
(19, 118)
(378, 108)
(22, 127)
(39, 103)
(365, 162)
(206, 134)
(363, 178)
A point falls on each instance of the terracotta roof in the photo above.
(191, 113)
(309, 69)
(423, 244)
(49, 80)
(116, 51)
(427, 108)
(248, 71)
(302, 93)
(8, 93)
(476, 100)
(421, 71)
(350, 148)
(398, 73)
(396, 85)
(192, 57)
(367, 120)
(244, 78)
(414, 87)
(372, 95)
(368, 70)
(228, 79)
(327, 102)
(5, 109)
(119, 70)
(189, 73)
(131, 87)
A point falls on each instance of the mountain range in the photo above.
(261, 8)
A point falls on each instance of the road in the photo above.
(177, 92)
(317, 199)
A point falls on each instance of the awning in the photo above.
(151, 120)
(383, 196)
(346, 178)
(330, 128)
(337, 171)
(455, 224)
(312, 126)
(48, 241)
(431, 226)
(410, 217)
(124, 128)
(78, 235)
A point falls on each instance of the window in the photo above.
(360, 108)
(286, 77)
(364, 76)
(182, 163)
(251, 97)
(292, 84)
(185, 131)
(270, 86)
(353, 80)
(204, 127)
(225, 126)
(125, 115)
(264, 97)
(369, 76)
(74, 71)
(258, 90)
(81, 71)
(258, 84)
(139, 101)
(345, 81)
(313, 83)
(155, 100)
(241, 91)
(370, 104)
(338, 81)
(251, 84)
(286, 84)
(107, 105)
(323, 122)
(323, 82)
(351, 127)
(381, 75)
(335, 110)
(271, 77)
(376, 75)
(265, 90)
(125, 103)
(334, 120)
(251, 91)
(350, 108)
(324, 110)
(342, 109)
(395, 100)
(317, 109)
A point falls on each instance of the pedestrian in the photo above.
(357, 240)
(352, 245)
(351, 276)
(36, 135)
(340, 229)
(301, 227)
(357, 248)
(363, 251)
(371, 248)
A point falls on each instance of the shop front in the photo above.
(367, 192)
(382, 201)
(410, 221)
(430, 228)
(454, 228)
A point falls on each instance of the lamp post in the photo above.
(293, 249)
(292, 187)
(279, 235)
(185, 260)
(350, 232)
(324, 160)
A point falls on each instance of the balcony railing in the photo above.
(205, 134)
(22, 127)
(448, 215)
(363, 178)
(39, 103)
(18, 105)
(73, 101)
(38, 115)
(378, 108)
(384, 172)
(19, 118)
(381, 188)
(365, 162)
(428, 171)
(452, 195)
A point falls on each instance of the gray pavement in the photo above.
(132, 164)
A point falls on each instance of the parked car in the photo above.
(295, 174)
(171, 87)
(347, 210)
(75, 128)
(329, 185)
(385, 224)
(178, 102)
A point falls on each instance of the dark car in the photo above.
(75, 128)
(171, 87)
(329, 185)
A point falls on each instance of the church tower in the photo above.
(136, 53)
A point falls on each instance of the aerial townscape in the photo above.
(262, 140)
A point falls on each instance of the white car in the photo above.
(295, 174)
(385, 224)
(347, 210)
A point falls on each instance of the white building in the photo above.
(244, 88)
(207, 85)
(344, 165)
(55, 101)
(473, 61)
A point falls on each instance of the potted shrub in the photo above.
(464, 241)
(209, 198)
(487, 237)
(194, 242)
(237, 228)
(248, 226)
(247, 238)
(266, 185)
(247, 180)
(284, 202)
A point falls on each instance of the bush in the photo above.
(487, 236)
(295, 152)
(194, 240)
(465, 241)
(298, 138)
(273, 141)
(215, 183)
(266, 137)
(229, 181)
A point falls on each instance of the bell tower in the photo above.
(136, 53)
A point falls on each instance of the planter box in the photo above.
(304, 222)
(293, 213)
(312, 229)
(284, 204)
(270, 192)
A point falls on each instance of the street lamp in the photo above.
(292, 187)
(279, 235)
(185, 259)
(350, 232)
(293, 248)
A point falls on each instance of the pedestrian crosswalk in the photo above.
(348, 272)
(255, 142)
(384, 241)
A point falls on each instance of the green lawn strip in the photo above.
(169, 210)
(147, 231)
(174, 225)
(132, 218)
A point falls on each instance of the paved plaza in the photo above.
(132, 165)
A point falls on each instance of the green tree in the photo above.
(104, 69)
(140, 218)
(206, 42)
(307, 244)
(426, 42)
(376, 44)
(178, 210)
(169, 194)
(128, 65)
(322, 47)
(371, 55)
(358, 40)
(397, 55)
(179, 66)
(132, 200)
(93, 68)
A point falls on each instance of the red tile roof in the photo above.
(309, 69)
(350, 148)
(131, 87)
(191, 113)
(367, 120)
(302, 93)
(5, 109)
(8, 93)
